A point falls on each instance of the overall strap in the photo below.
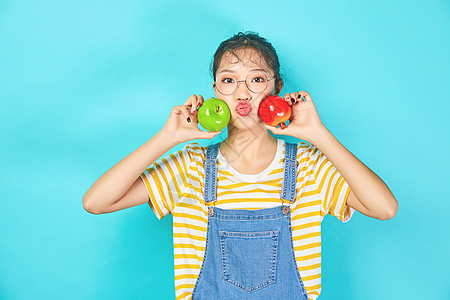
(289, 178)
(290, 173)
(210, 166)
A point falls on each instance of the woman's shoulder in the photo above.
(198, 150)
(195, 150)
(303, 148)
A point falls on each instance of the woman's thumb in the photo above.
(209, 134)
(274, 130)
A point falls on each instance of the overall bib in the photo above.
(249, 254)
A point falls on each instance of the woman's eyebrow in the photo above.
(231, 71)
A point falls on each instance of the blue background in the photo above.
(83, 84)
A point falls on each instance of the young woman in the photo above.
(246, 211)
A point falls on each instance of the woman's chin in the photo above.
(247, 122)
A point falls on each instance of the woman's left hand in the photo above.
(304, 122)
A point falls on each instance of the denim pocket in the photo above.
(249, 259)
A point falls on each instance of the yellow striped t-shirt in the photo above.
(175, 184)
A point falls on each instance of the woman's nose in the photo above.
(242, 92)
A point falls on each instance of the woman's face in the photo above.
(250, 61)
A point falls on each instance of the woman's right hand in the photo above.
(178, 126)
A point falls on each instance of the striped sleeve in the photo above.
(166, 181)
(334, 190)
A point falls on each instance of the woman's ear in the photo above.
(279, 87)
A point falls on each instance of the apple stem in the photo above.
(218, 109)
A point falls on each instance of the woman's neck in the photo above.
(248, 144)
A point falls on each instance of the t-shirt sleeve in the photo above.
(166, 180)
(334, 190)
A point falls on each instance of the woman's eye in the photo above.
(227, 80)
(258, 79)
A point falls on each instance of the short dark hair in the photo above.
(248, 39)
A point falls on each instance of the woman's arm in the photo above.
(369, 194)
(115, 182)
(122, 182)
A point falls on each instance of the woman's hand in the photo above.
(304, 122)
(182, 123)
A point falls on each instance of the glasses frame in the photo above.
(245, 80)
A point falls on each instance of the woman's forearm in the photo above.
(115, 182)
(368, 188)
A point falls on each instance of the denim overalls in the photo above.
(249, 254)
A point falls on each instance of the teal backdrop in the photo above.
(85, 83)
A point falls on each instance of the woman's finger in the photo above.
(287, 97)
(306, 96)
(188, 104)
(184, 110)
(190, 100)
(276, 130)
(294, 98)
(194, 104)
(208, 134)
(199, 101)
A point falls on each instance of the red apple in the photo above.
(274, 110)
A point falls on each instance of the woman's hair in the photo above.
(248, 39)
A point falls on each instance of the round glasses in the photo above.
(256, 82)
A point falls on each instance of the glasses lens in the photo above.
(257, 82)
(226, 84)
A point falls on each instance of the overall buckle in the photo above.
(285, 208)
(211, 209)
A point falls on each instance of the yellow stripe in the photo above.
(181, 171)
(310, 267)
(186, 276)
(249, 191)
(189, 236)
(184, 286)
(189, 216)
(167, 184)
(347, 211)
(311, 193)
(309, 246)
(189, 226)
(314, 287)
(192, 186)
(322, 183)
(186, 266)
(307, 257)
(152, 197)
(247, 201)
(276, 183)
(312, 277)
(305, 215)
(192, 196)
(334, 199)
(244, 193)
(192, 207)
(159, 187)
(310, 203)
(344, 202)
(305, 236)
(233, 185)
(191, 256)
(223, 173)
(182, 296)
(304, 226)
(188, 246)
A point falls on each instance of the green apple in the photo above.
(214, 114)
